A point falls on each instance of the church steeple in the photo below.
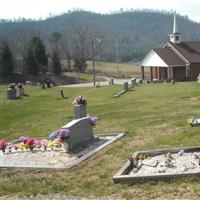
(175, 37)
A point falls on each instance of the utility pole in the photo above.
(93, 60)
(117, 58)
(93, 65)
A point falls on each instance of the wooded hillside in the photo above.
(129, 34)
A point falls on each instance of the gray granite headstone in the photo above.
(20, 92)
(126, 86)
(80, 111)
(111, 81)
(198, 79)
(81, 133)
(133, 82)
(11, 93)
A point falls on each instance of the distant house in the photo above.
(176, 60)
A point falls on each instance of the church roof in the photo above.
(189, 50)
(169, 57)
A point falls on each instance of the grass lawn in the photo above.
(125, 70)
(82, 77)
(151, 116)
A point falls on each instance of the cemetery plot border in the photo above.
(56, 159)
(125, 176)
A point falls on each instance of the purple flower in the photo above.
(63, 133)
(93, 120)
(23, 138)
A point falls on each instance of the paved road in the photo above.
(102, 83)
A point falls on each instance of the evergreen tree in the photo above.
(6, 59)
(35, 58)
(56, 65)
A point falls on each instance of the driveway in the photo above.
(102, 83)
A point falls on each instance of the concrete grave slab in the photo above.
(56, 159)
(153, 167)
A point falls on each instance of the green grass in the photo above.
(82, 77)
(152, 116)
(126, 70)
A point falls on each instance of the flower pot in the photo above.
(80, 111)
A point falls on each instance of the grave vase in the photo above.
(80, 111)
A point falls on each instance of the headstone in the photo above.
(126, 86)
(43, 86)
(111, 81)
(133, 82)
(20, 92)
(62, 94)
(48, 84)
(198, 79)
(11, 93)
(81, 133)
(80, 110)
(28, 83)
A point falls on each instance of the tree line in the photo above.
(34, 58)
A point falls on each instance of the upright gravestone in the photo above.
(80, 128)
(81, 133)
(126, 86)
(80, 107)
(133, 82)
(198, 79)
(11, 92)
(20, 90)
(80, 111)
(111, 81)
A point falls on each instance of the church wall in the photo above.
(194, 71)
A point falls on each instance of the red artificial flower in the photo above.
(29, 142)
(2, 144)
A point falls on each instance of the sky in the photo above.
(35, 9)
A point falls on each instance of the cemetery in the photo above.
(159, 122)
(67, 147)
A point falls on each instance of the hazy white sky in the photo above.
(10, 9)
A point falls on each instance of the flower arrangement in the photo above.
(28, 144)
(193, 121)
(80, 100)
(11, 86)
(93, 120)
(3, 145)
(19, 85)
(62, 135)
